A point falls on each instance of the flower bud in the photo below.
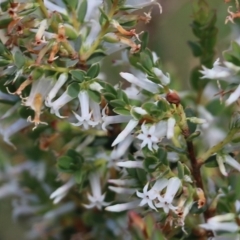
(172, 97)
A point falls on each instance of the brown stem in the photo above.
(194, 163)
(196, 171)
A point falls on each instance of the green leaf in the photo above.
(104, 15)
(69, 63)
(163, 105)
(66, 164)
(150, 107)
(26, 112)
(193, 135)
(231, 58)
(146, 60)
(93, 71)
(175, 149)
(157, 235)
(144, 40)
(129, 24)
(150, 163)
(70, 32)
(2, 47)
(162, 156)
(180, 168)
(4, 22)
(234, 180)
(122, 95)
(75, 155)
(150, 223)
(73, 90)
(72, 4)
(109, 88)
(37, 73)
(190, 113)
(196, 82)
(187, 170)
(118, 103)
(78, 75)
(215, 107)
(95, 57)
(4, 62)
(211, 162)
(196, 48)
(82, 11)
(19, 59)
(109, 96)
(79, 177)
(141, 175)
(121, 111)
(94, 95)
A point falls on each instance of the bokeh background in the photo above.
(169, 34)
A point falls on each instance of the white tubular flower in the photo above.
(161, 129)
(121, 148)
(89, 39)
(141, 3)
(232, 162)
(217, 72)
(124, 59)
(7, 97)
(123, 182)
(114, 46)
(23, 208)
(130, 164)
(165, 79)
(220, 161)
(155, 57)
(107, 120)
(149, 196)
(226, 158)
(52, 94)
(224, 222)
(53, 7)
(140, 110)
(59, 103)
(143, 83)
(153, 134)
(172, 156)
(40, 32)
(122, 190)
(134, 93)
(92, 10)
(165, 202)
(145, 197)
(123, 206)
(62, 191)
(158, 186)
(10, 189)
(96, 111)
(97, 198)
(63, 209)
(127, 130)
(85, 118)
(95, 87)
(170, 127)
(148, 137)
(233, 96)
(10, 130)
(39, 91)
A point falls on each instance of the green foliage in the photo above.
(203, 27)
